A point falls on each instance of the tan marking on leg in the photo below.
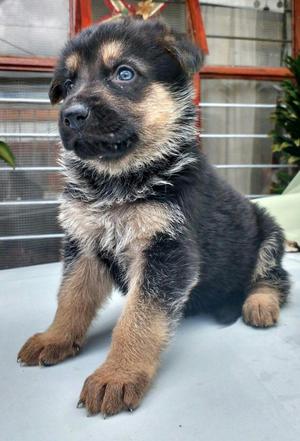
(266, 258)
(262, 307)
(73, 62)
(140, 334)
(111, 51)
(291, 246)
(138, 339)
(84, 288)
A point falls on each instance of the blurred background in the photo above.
(237, 90)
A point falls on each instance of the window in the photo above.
(239, 87)
(33, 28)
(32, 32)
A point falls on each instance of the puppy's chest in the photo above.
(115, 229)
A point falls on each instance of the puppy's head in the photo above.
(124, 87)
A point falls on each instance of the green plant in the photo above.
(286, 134)
(6, 154)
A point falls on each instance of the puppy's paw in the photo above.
(261, 310)
(45, 349)
(110, 391)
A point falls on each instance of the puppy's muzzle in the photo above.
(96, 131)
(75, 116)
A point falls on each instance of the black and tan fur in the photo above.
(143, 210)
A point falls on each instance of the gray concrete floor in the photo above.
(216, 383)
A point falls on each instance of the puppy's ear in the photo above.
(189, 56)
(56, 90)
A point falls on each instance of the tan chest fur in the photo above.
(118, 228)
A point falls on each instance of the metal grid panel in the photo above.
(27, 185)
(15, 253)
(18, 220)
(39, 152)
(28, 194)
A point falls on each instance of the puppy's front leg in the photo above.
(85, 286)
(154, 304)
(137, 341)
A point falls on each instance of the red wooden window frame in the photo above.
(80, 16)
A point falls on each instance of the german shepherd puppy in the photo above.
(142, 210)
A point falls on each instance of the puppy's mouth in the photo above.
(108, 149)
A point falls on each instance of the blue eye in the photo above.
(125, 73)
(68, 85)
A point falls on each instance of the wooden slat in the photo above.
(197, 24)
(27, 114)
(72, 18)
(83, 14)
(32, 64)
(296, 27)
(246, 73)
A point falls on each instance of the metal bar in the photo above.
(220, 5)
(28, 135)
(46, 101)
(232, 37)
(16, 169)
(22, 203)
(232, 135)
(33, 236)
(225, 166)
(38, 202)
(238, 105)
(24, 100)
(206, 135)
(218, 166)
(256, 196)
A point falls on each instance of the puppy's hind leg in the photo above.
(270, 285)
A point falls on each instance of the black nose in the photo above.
(75, 116)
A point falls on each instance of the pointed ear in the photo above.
(189, 56)
(55, 91)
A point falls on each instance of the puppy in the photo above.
(142, 210)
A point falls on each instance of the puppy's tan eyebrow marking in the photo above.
(72, 62)
(111, 51)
